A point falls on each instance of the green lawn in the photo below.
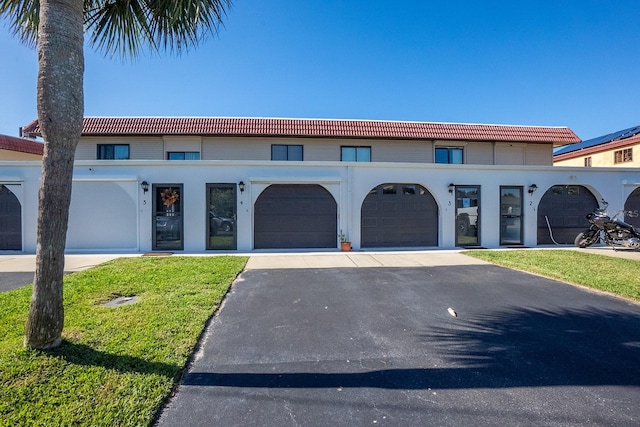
(116, 366)
(605, 273)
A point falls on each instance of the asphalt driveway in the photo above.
(378, 346)
(13, 280)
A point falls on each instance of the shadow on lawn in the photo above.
(80, 354)
(511, 348)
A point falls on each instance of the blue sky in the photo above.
(550, 63)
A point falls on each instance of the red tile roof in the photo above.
(21, 145)
(217, 126)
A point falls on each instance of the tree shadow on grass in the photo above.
(81, 354)
(510, 348)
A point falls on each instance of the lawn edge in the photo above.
(567, 282)
(164, 403)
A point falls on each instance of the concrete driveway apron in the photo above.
(378, 346)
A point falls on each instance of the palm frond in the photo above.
(179, 24)
(126, 26)
(23, 17)
(120, 26)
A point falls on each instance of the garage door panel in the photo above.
(399, 215)
(390, 206)
(369, 222)
(574, 221)
(295, 216)
(407, 207)
(370, 205)
(565, 208)
(632, 205)
(10, 220)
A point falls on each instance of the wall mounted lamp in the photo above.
(145, 186)
(241, 186)
(452, 187)
(532, 188)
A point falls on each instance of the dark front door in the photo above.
(10, 220)
(295, 216)
(399, 215)
(467, 215)
(510, 215)
(168, 225)
(221, 216)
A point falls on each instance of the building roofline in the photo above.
(317, 128)
(620, 143)
(21, 145)
(620, 135)
(319, 119)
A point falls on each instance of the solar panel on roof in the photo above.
(615, 136)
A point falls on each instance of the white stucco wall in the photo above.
(108, 196)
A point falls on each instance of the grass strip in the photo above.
(116, 365)
(616, 275)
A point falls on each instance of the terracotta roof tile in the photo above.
(218, 126)
(21, 145)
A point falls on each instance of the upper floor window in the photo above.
(183, 155)
(286, 152)
(355, 154)
(113, 151)
(453, 155)
(587, 162)
(622, 156)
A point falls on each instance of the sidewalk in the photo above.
(431, 258)
(16, 263)
(618, 253)
(20, 263)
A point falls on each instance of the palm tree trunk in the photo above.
(60, 114)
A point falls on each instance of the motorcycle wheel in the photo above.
(586, 238)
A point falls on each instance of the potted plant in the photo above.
(345, 244)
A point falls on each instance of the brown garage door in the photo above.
(632, 208)
(399, 215)
(295, 216)
(10, 221)
(566, 207)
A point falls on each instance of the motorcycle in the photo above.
(614, 232)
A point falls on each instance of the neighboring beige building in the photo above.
(619, 149)
(12, 148)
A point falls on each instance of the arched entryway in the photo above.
(399, 215)
(566, 207)
(295, 216)
(10, 220)
(632, 208)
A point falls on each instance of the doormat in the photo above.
(157, 254)
(517, 247)
(474, 247)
